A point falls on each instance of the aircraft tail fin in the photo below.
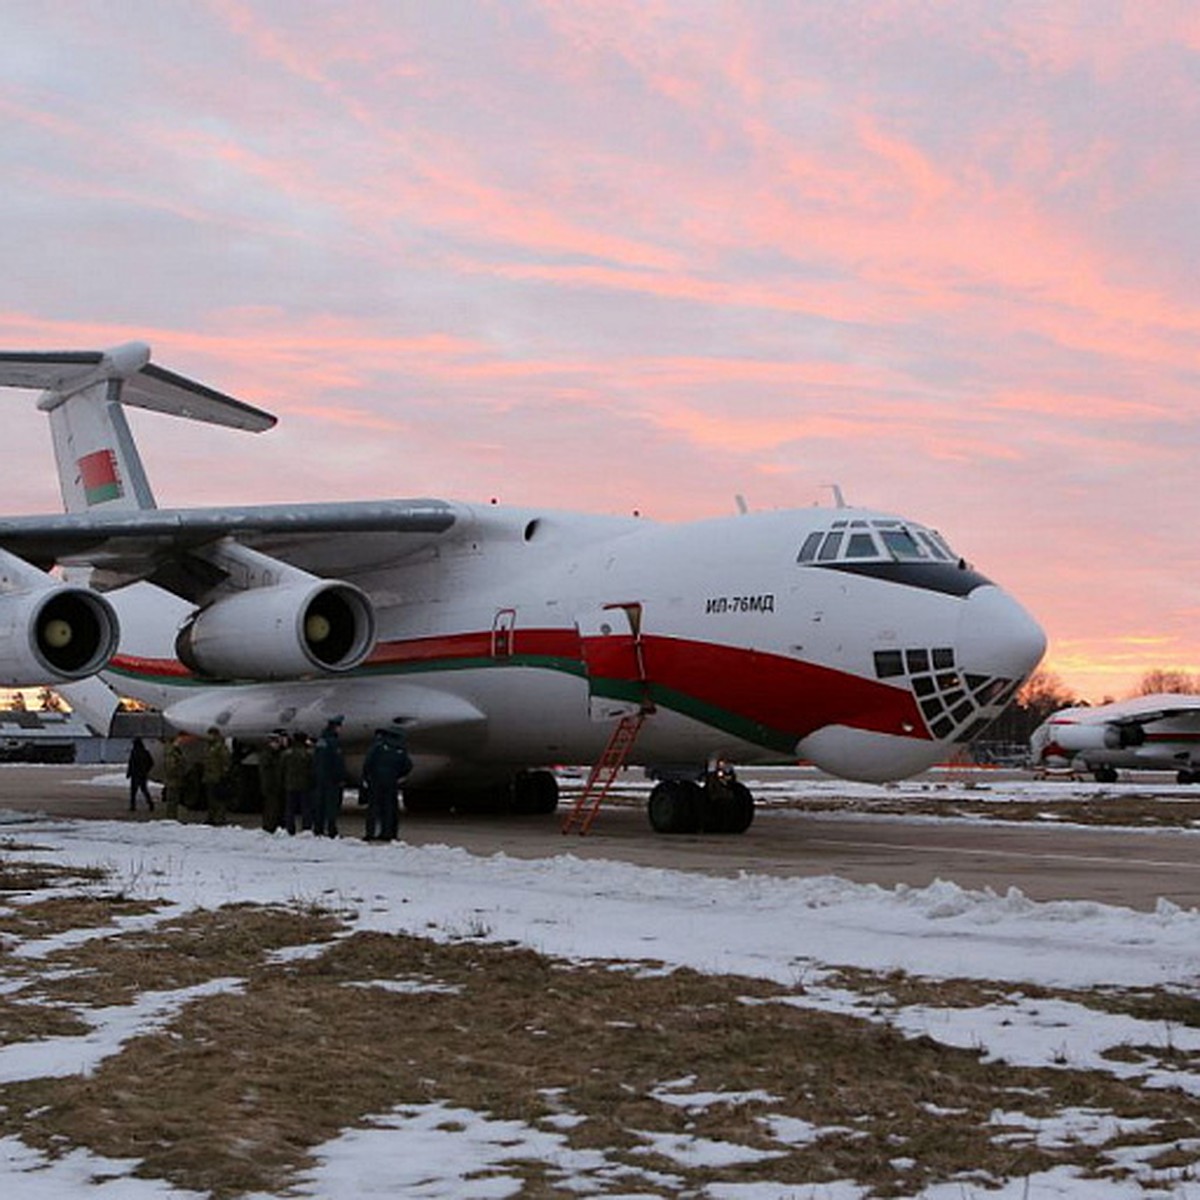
(99, 467)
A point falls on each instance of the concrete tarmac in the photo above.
(1125, 867)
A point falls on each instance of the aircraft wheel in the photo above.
(725, 806)
(674, 806)
(1105, 774)
(535, 792)
(740, 809)
(489, 799)
(1187, 777)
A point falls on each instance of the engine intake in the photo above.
(281, 632)
(55, 634)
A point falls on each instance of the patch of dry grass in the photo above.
(21, 876)
(229, 942)
(898, 989)
(28, 1021)
(58, 914)
(236, 1091)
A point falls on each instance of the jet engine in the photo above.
(1077, 738)
(281, 632)
(54, 634)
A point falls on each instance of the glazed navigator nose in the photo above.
(997, 637)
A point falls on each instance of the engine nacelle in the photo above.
(1075, 739)
(281, 632)
(55, 634)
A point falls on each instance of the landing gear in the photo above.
(732, 812)
(535, 793)
(528, 793)
(1188, 777)
(1105, 774)
(674, 806)
(428, 800)
(720, 805)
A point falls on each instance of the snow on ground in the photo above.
(788, 930)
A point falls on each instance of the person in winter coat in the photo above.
(297, 783)
(218, 762)
(329, 776)
(270, 780)
(175, 769)
(386, 764)
(137, 771)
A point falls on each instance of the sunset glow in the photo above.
(619, 256)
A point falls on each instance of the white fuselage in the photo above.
(1149, 733)
(515, 638)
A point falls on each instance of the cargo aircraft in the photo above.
(503, 640)
(1159, 732)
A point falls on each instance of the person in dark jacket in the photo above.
(270, 780)
(329, 778)
(137, 771)
(386, 764)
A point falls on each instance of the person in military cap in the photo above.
(175, 769)
(298, 783)
(329, 776)
(217, 764)
(270, 780)
(386, 765)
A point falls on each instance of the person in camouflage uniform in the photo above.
(217, 764)
(175, 769)
(297, 783)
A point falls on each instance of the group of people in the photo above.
(301, 780)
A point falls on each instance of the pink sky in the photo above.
(648, 256)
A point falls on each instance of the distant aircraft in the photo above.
(1149, 733)
(503, 640)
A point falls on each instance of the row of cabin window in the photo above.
(898, 544)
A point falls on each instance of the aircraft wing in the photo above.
(1166, 708)
(129, 545)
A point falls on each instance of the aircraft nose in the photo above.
(997, 637)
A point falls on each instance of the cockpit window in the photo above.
(809, 550)
(935, 545)
(938, 540)
(902, 544)
(830, 549)
(861, 545)
(876, 540)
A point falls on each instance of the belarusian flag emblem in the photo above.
(98, 471)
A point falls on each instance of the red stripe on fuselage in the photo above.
(779, 693)
(552, 643)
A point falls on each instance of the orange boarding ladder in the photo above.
(600, 778)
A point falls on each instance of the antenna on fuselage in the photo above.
(742, 507)
(839, 501)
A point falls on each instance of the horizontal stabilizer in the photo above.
(63, 373)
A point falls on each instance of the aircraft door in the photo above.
(611, 640)
(503, 625)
